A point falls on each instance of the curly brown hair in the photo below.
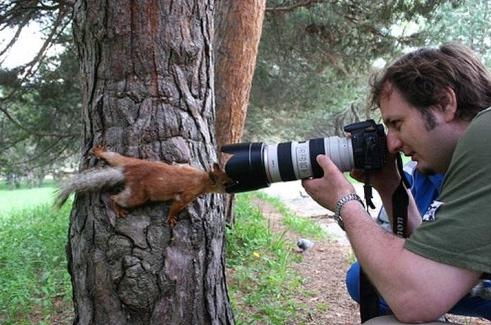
(423, 76)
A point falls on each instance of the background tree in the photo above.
(147, 89)
(314, 60)
(238, 31)
(30, 144)
(39, 100)
(464, 21)
(310, 75)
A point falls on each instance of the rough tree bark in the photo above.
(147, 84)
(237, 34)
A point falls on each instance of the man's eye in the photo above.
(396, 125)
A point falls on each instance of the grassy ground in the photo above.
(301, 226)
(261, 281)
(32, 264)
(34, 281)
(15, 200)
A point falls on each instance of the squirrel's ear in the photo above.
(213, 176)
(216, 167)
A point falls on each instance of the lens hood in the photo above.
(245, 167)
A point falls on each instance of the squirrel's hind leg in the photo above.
(120, 211)
(174, 210)
(127, 199)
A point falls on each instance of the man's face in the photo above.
(409, 132)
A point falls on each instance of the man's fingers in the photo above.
(325, 163)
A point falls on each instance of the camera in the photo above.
(256, 165)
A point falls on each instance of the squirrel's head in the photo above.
(219, 179)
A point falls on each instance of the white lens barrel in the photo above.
(301, 160)
(272, 164)
(340, 151)
(294, 160)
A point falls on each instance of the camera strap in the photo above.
(367, 191)
(369, 298)
(400, 202)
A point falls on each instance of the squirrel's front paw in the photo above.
(171, 221)
(97, 150)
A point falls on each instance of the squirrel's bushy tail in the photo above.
(89, 181)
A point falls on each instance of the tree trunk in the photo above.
(147, 85)
(238, 31)
(239, 25)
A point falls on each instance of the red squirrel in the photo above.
(145, 181)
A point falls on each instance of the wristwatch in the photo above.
(341, 202)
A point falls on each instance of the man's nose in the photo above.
(394, 144)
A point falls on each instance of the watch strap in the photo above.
(339, 206)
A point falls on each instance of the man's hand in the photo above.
(331, 187)
(385, 180)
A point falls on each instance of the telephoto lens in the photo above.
(257, 165)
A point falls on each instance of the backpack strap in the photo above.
(369, 298)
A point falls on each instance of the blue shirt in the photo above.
(425, 189)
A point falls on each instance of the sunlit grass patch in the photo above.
(12, 200)
(300, 225)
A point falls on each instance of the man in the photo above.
(425, 189)
(433, 102)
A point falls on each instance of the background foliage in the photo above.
(311, 76)
(314, 62)
(40, 99)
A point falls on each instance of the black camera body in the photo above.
(256, 165)
(369, 144)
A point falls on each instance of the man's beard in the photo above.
(428, 171)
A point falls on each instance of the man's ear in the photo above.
(449, 105)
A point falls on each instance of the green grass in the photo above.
(14, 200)
(33, 264)
(34, 276)
(262, 285)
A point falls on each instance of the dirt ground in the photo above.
(324, 268)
